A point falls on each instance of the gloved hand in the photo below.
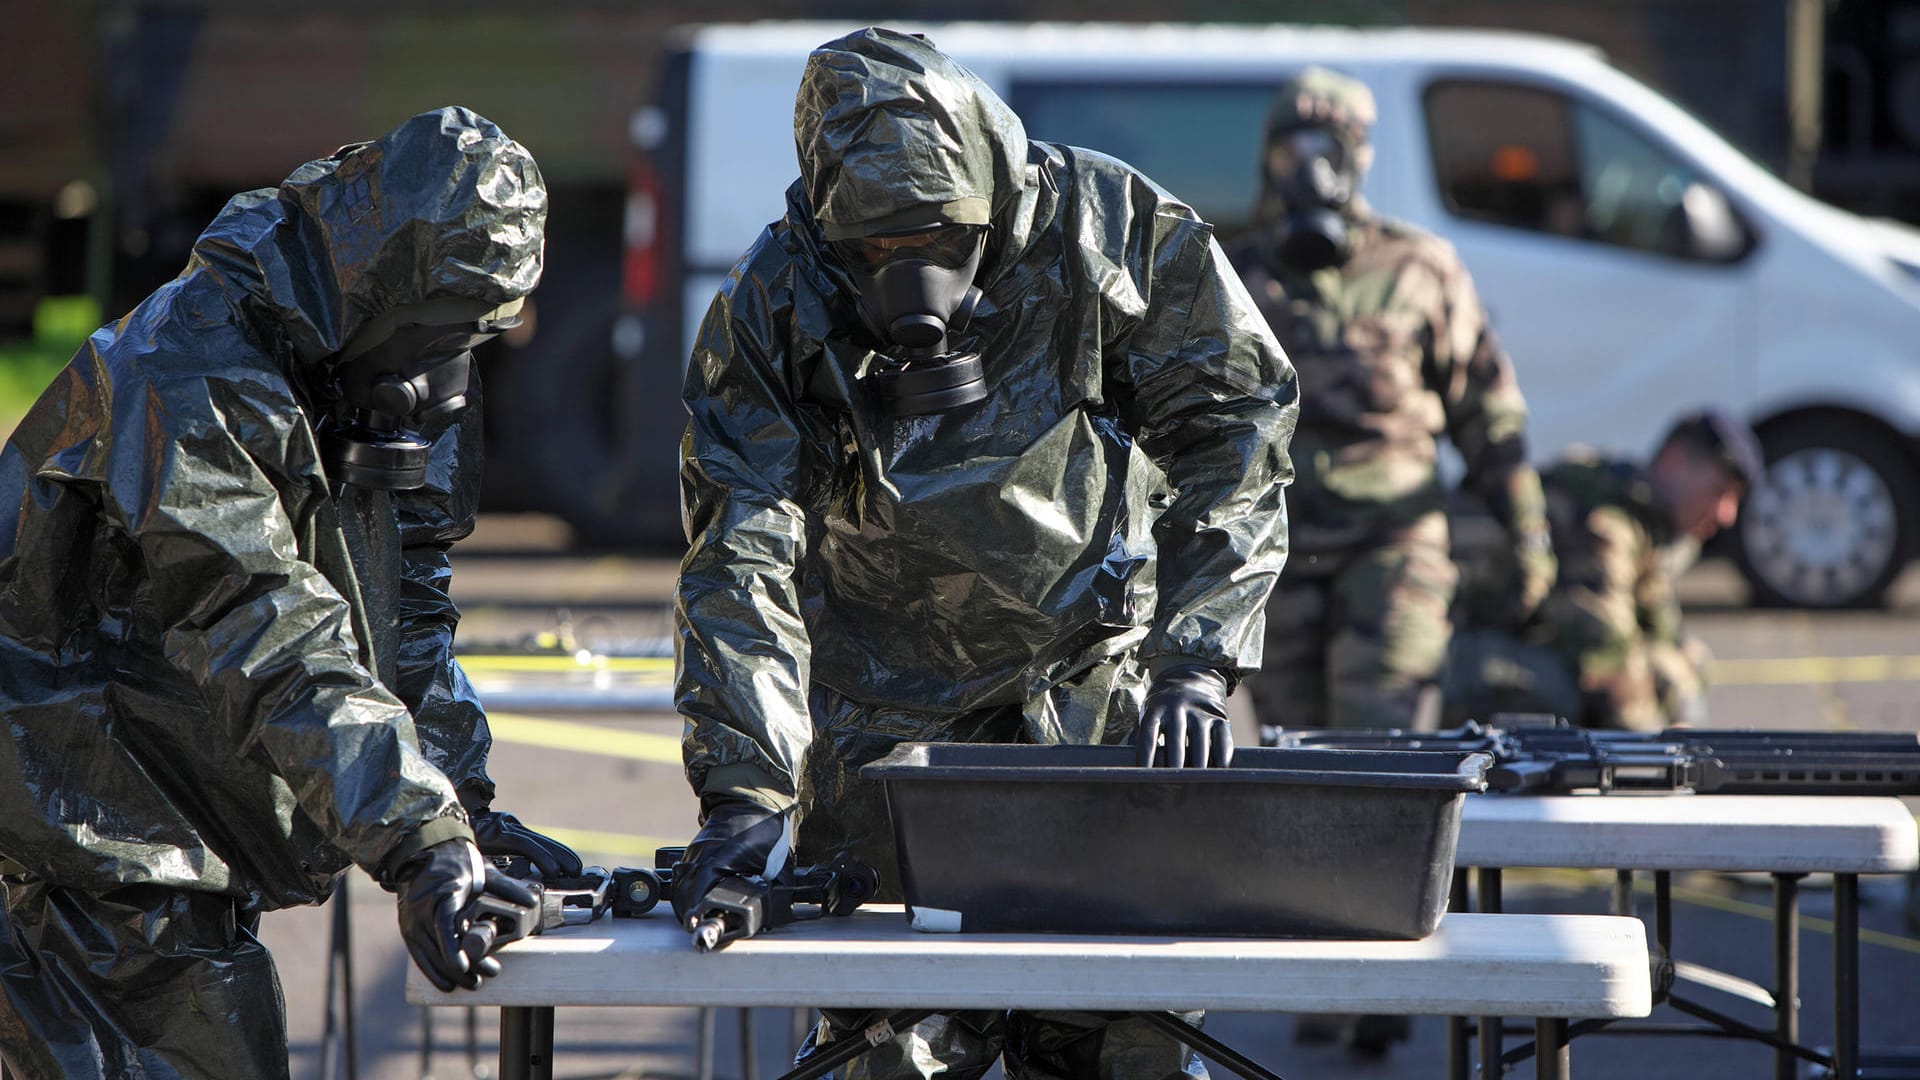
(1187, 709)
(435, 888)
(502, 834)
(738, 838)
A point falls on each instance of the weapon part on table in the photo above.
(1544, 754)
(738, 907)
(741, 907)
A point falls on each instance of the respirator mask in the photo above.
(914, 289)
(408, 369)
(1315, 174)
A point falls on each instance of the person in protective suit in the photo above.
(987, 445)
(1393, 350)
(227, 669)
(1607, 649)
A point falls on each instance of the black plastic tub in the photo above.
(1076, 839)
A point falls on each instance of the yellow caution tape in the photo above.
(582, 661)
(625, 849)
(584, 738)
(1814, 670)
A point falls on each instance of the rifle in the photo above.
(1542, 754)
(738, 907)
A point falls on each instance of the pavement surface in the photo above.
(609, 782)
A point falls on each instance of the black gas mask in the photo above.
(914, 289)
(407, 370)
(1314, 174)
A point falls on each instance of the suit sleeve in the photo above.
(1212, 399)
(227, 532)
(447, 713)
(742, 647)
(1486, 416)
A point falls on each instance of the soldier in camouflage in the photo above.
(1606, 648)
(1393, 350)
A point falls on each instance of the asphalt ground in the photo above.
(609, 782)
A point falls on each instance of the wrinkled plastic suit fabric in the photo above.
(198, 957)
(448, 717)
(1005, 571)
(1117, 494)
(192, 713)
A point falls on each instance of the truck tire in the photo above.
(1833, 522)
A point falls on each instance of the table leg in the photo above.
(1846, 976)
(749, 1048)
(474, 1068)
(1623, 893)
(1786, 971)
(1490, 1051)
(526, 1043)
(703, 1046)
(1459, 1052)
(1210, 1046)
(1552, 1049)
(1663, 912)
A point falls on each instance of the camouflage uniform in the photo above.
(1606, 649)
(1392, 348)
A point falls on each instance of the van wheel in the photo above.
(1833, 522)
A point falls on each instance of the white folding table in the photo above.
(1552, 968)
(1786, 836)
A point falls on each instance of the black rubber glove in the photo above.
(1187, 710)
(738, 838)
(502, 834)
(435, 887)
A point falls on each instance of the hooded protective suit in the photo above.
(999, 572)
(196, 732)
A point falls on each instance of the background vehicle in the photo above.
(1636, 264)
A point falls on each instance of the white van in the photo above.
(1635, 264)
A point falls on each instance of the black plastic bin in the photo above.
(1076, 839)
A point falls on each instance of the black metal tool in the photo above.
(1544, 754)
(494, 921)
(742, 907)
(739, 907)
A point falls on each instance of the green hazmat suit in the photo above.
(196, 730)
(1005, 571)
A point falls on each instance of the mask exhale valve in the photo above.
(916, 379)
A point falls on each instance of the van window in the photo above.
(1536, 159)
(1200, 141)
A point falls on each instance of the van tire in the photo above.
(1833, 523)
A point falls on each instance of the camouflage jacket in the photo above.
(1613, 612)
(1392, 349)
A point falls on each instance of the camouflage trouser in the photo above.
(1354, 639)
(842, 812)
(142, 983)
(1491, 671)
